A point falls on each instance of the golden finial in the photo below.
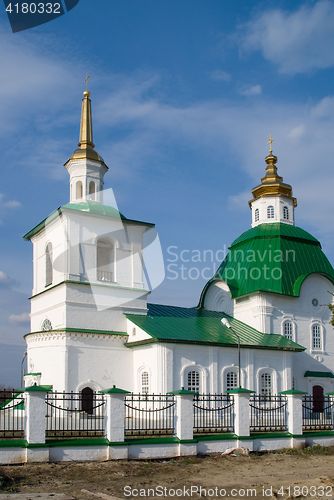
(270, 143)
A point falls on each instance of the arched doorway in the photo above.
(87, 400)
(318, 398)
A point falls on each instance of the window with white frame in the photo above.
(145, 383)
(256, 215)
(78, 190)
(105, 257)
(193, 380)
(288, 329)
(316, 336)
(231, 380)
(285, 213)
(91, 190)
(270, 212)
(265, 384)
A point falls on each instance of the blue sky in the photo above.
(185, 93)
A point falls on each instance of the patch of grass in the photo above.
(307, 451)
(7, 483)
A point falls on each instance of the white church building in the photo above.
(92, 325)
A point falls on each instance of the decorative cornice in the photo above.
(90, 283)
(62, 334)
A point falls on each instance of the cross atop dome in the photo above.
(270, 143)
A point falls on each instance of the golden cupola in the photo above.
(272, 184)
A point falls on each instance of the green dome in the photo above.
(272, 258)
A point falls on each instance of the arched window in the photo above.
(316, 336)
(91, 190)
(193, 381)
(48, 265)
(265, 384)
(285, 213)
(257, 215)
(288, 329)
(87, 400)
(78, 190)
(270, 212)
(145, 383)
(105, 252)
(231, 380)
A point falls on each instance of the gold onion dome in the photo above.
(86, 145)
(272, 184)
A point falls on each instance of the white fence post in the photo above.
(35, 422)
(241, 411)
(184, 421)
(114, 422)
(295, 414)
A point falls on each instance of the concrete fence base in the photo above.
(157, 448)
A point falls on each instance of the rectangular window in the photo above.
(231, 380)
(193, 381)
(316, 337)
(266, 384)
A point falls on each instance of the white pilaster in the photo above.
(241, 411)
(184, 418)
(114, 422)
(35, 423)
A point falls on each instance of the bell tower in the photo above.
(86, 167)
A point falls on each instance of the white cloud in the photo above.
(297, 132)
(20, 319)
(296, 41)
(221, 76)
(239, 200)
(12, 204)
(251, 90)
(5, 280)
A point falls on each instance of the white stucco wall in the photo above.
(267, 312)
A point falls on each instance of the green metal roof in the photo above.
(272, 258)
(198, 326)
(319, 374)
(89, 207)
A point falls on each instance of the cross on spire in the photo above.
(87, 78)
(270, 142)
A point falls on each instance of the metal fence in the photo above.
(268, 413)
(149, 415)
(70, 414)
(213, 413)
(11, 414)
(318, 413)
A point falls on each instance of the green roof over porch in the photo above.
(318, 374)
(198, 326)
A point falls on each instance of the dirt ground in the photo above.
(235, 477)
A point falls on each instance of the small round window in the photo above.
(315, 302)
(46, 325)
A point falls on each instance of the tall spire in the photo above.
(272, 184)
(86, 149)
(86, 123)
